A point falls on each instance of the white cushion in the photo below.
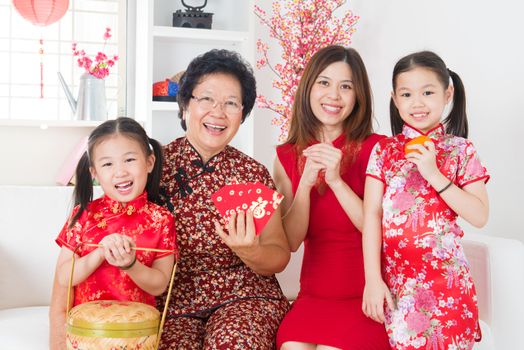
(24, 328)
(31, 218)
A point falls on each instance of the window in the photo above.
(21, 64)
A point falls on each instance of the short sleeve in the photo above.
(70, 237)
(375, 166)
(470, 169)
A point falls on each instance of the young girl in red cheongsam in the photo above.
(127, 164)
(411, 204)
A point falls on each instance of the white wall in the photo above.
(480, 40)
(31, 155)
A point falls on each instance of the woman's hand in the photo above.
(425, 159)
(329, 157)
(310, 173)
(375, 294)
(117, 250)
(241, 234)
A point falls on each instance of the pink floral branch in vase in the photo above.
(101, 64)
(301, 28)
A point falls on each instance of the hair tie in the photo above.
(449, 71)
(150, 143)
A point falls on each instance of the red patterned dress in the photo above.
(328, 309)
(217, 301)
(423, 260)
(148, 224)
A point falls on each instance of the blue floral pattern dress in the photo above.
(423, 260)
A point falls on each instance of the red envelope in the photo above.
(243, 196)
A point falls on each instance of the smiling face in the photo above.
(421, 98)
(332, 98)
(210, 129)
(121, 167)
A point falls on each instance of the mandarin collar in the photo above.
(338, 142)
(130, 207)
(411, 132)
(196, 158)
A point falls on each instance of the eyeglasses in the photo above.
(208, 103)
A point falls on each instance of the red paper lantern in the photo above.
(41, 12)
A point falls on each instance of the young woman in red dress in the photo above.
(127, 164)
(321, 172)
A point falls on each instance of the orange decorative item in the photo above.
(420, 140)
(41, 12)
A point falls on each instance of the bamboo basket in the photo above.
(113, 324)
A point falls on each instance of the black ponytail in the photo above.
(456, 123)
(83, 193)
(153, 179)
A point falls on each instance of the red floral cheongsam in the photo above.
(423, 260)
(148, 224)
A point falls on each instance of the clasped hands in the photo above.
(117, 250)
(321, 157)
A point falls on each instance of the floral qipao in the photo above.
(217, 301)
(209, 273)
(148, 224)
(423, 259)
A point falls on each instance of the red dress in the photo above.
(423, 261)
(328, 309)
(148, 224)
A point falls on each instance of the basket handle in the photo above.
(172, 279)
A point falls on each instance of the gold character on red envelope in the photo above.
(259, 208)
(236, 197)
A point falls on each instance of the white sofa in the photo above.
(30, 218)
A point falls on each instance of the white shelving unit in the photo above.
(162, 51)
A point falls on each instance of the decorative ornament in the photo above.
(301, 29)
(41, 53)
(193, 17)
(41, 12)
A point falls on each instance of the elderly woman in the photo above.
(225, 294)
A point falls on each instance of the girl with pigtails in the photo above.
(418, 183)
(102, 233)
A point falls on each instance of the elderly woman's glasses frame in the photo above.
(208, 103)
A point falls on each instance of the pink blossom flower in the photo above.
(100, 66)
(301, 28)
(107, 34)
(425, 299)
(418, 321)
(403, 201)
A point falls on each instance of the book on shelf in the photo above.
(67, 171)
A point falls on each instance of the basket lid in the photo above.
(114, 315)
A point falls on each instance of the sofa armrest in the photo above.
(497, 265)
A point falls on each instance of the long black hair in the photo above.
(83, 193)
(456, 122)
